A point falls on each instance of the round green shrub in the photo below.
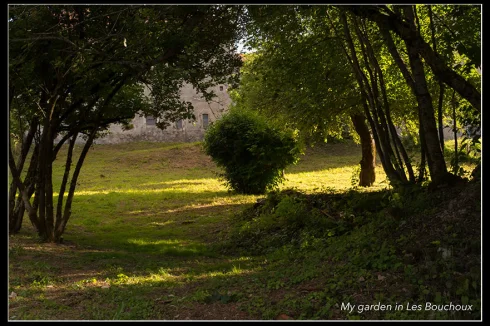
(252, 153)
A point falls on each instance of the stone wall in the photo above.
(188, 131)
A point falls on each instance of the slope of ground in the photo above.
(149, 239)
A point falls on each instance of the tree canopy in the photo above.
(315, 65)
(76, 69)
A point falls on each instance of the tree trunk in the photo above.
(30, 184)
(423, 153)
(45, 170)
(380, 120)
(390, 44)
(367, 175)
(441, 84)
(63, 140)
(14, 223)
(59, 206)
(41, 182)
(48, 186)
(455, 130)
(439, 115)
(73, 184)
(382, 142)
(23, 191)
(435, 158)
(390, 126)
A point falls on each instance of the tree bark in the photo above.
(455, 130)
(440, 123)
(423, 152)
(48, 186)
(382, 143)
(59, 206)
(367, 176)
(23, 191)
(14, 224)
(390, 44)
(391, 127)
(377, 109)
(441, 84)
(435, 158)
(63, 140)
(29, 182)
(41, 181)
(73, 184)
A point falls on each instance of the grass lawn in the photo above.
(141, 243)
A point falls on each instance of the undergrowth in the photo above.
(393, 247)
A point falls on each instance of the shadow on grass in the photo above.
(138, 262)
(160, 224)
(156, 295)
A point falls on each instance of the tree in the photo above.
(299, 76)
(403, 20)
(252, 153)
(404, 27)
(74, 70)
(378, 111)
(298, 45)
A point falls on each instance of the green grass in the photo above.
(144, 237)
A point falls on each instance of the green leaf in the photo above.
(438, 298)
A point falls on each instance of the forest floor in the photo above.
(154, 235)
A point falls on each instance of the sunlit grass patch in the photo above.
(339, 178)
(235, 270)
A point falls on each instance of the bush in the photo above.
(252, 153)
(292, 219)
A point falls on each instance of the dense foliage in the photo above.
(252, 153)
(313, 67)
(76, 69)
(369, 247)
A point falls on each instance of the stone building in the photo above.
(145, 128)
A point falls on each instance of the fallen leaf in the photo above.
(361, 279)
(381, 277)
(13, 295)
(105, 286)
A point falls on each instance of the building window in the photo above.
(150, 120)
(205, 120)
(221, 88)
(178, 124)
